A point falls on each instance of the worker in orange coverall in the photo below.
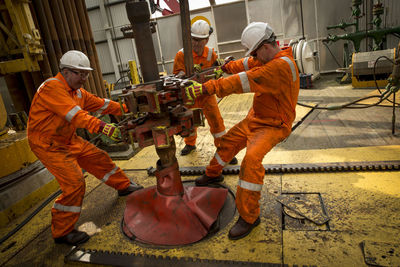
(273, 77)
(59, 107)
(203, 58)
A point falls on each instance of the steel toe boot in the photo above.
(75, 237)
(130, 189)
(242, 228)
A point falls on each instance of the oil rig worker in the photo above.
(59, 107)
(203, 58)
(272, 75)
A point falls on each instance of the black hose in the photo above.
(36, 211)
(27, 219)
(348, 105)
(383, 96)
(376, 83)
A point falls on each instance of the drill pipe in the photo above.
(90, 82)
(139, 16)
(86, 37)
(66, 24)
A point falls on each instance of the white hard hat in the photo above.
(200, 29)
(254, 34)
(75, 59)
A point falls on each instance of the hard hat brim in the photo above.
(75, 67)
(203, 36)
(255, 46)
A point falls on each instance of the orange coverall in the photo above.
(56, 112)
(269, 121)
(206, 102)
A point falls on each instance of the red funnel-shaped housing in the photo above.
(170, 213)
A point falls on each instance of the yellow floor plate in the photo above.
(362, 206)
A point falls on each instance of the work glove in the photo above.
(197, 68)
(219, 62)
(226, 61)
(218, 72)
(194, 90)
(111, 130)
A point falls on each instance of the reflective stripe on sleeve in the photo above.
(60, 207)
(292, 68)
(181, 50)
(106, 103)
(72, 113)
(218, 135)
(209, 54)
(250, 186)
(48, 80)
(246, 63)
(245, 82)
(107, 176)
(220, 161)
(79, 93)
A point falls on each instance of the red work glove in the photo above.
(111, 130)
(218, 71)
(194, 90)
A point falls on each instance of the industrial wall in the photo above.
(108, 17)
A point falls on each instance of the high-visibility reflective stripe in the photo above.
(48, 80)
(245, 82)
(246, 63)
(292, 68)
(250, 186)
(60, 207)
(220, 161)
(218, 135)
(79, 93)
(209, 54)
(72, 113)
(107, 176)
(106, 103)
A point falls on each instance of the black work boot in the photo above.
(233, 161)
(206, 180)
(130, 189)
(75, 237)
(242, 228)
(187, 149)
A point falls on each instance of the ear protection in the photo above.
(211, 30)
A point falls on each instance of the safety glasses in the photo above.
(254, 53)
(83, 75)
